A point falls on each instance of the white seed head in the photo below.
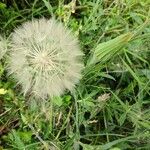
(45, 58)
(3, 46)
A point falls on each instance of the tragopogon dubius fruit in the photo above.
(45, 58)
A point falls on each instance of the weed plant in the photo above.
(109, 108)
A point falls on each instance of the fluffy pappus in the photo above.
(3, 46)
(45, 58)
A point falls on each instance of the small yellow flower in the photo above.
(3, 91)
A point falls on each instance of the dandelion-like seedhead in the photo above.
(3, 47)
(45, 58)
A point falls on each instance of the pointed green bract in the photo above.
(104, 51)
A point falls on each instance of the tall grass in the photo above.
(109, 109)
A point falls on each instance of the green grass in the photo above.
(109, 109)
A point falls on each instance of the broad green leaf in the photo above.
(57, 101)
